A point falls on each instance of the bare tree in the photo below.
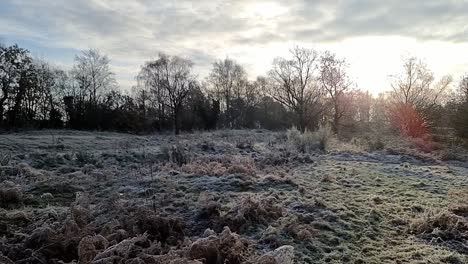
(170, 79)
(15, 65)
(335, 82)
(48, 92)
(93, 75)
(294, 83)
(416, 86)
(229, 83)
(463, 86)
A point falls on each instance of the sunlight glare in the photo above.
(264, 10)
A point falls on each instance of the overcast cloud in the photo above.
(252, 32)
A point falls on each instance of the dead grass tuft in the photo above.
(85, 157)
(90, 246)
(163, 229)
(10, 196)
(29, 172)
(208, 206)
(251, 210)
(449, 223)
(225, 248)
(243, 143)
(5, 159)
(445, 223)
(425, 144)
(175, 154)
(219, 165)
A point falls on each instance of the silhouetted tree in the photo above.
(294, 83)
(416, 86)
(93, 75)
(463, 86)
(335, 81)
(170, 79)
(229, 85)
(15, 65)
(458, 109)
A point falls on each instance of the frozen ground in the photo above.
(69, 197)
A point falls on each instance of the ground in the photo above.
(225, 196)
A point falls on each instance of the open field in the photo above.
(225, 197)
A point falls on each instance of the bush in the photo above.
(175, 154)
(408, 121)
(425, 144)
(323, 135)
(378, 144)
(310, 141)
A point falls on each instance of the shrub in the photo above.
(407, 120)
(378, 144)
(310, 141)
(175, 154)
(425, 144)
(294, 136)
(323, 134)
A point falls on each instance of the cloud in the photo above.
(424, 20)
(131, 32)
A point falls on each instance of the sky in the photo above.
(373, 36)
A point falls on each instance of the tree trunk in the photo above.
(176, 123)
(2, 102)
(1, 114)
(17, 106)
(301, 120)
(336, 120)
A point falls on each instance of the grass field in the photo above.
(225, 197)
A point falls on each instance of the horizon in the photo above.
(251, 32)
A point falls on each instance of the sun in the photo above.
(264, 10)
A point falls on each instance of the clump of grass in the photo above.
(25, 170)
(444, 223)
(309, 141)
(207, 145)
(457, 154)
(175, 154)
(84, 157)
(90, 246)
(226, 247)
(5, 159)
(450, 223)
(242, 143)
(208, 206)
(328, 178)
(219, 165)
(253, 211)
(10, 196)
(425, 144)
(376, 144)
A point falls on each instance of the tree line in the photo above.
(307, 89)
